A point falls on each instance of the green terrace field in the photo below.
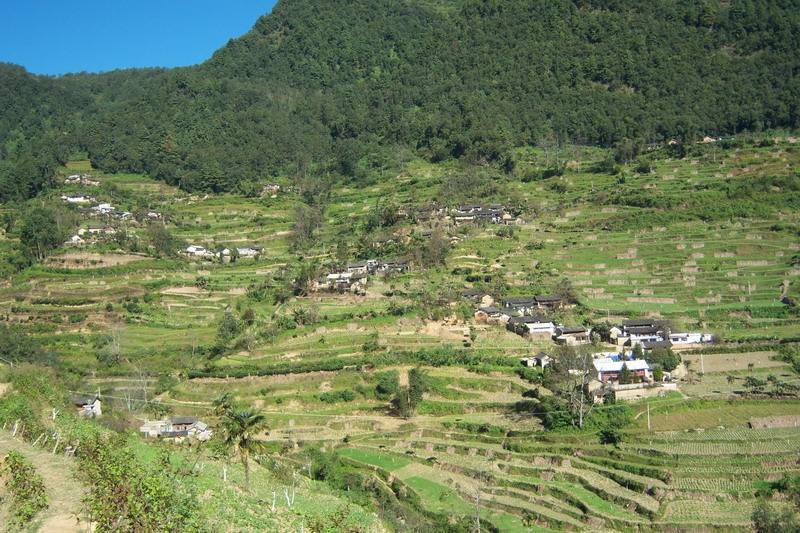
(710, 242)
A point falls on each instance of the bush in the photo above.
(26, 488)
(125, 495)
(345, 395)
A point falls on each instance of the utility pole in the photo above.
(702, 364)
(648, 418)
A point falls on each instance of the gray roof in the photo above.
(183, 419)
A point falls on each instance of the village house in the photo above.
(177, 429)
(358, 268)
(392, 267)
(635, 332)
(153, 215)
(271, 189)
(81, 179)
(520, 305)
(649, 346)
(491, 315)
(690, 338)
(473, 295)
(97, 229)
(88, 406)
(226, 254)
(540, 360)
(78, 200)
(609, 369)
(477, 213)
(103, 209)
(531, 326)
(572, 336)
(342, 282)
(549, 302)
(198, 252)
(75, 240)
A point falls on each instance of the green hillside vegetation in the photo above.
(173, 243)
(346, 88)
(708, 241)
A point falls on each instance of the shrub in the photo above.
(26, 488)
(345, 395)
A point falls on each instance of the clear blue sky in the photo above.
(60, 36)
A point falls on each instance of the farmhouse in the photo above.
(358, 268)
(656, 345)
(226, 254)
(638, 331)
(81, 179)
(389, 267)
(75, 240)
(177, 429)
(491, 315)
(103, 209)
(609, 369)
(690, 338)
(88, 406)
(520, 306)
(549, 302)
(478, 213)
(342, 282)
(79, 200)
(572, 336)
(531, 326)
(540, 360)
(199, 252)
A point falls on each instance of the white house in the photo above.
(199, 252)
(79, 200)
(609, 369)
(103, 209)
(690, 338)
(88, 406)
(248, 253)
(75, 240)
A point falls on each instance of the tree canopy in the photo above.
(335, 87)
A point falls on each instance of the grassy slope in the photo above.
(721, 275)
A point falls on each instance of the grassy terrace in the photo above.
(703, 255)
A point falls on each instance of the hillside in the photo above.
(333, 87)
(708, 242)
(411, 266)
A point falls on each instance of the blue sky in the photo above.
(60, 36)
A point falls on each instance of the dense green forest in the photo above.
(335, 87)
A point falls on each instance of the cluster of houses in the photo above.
(81, 179)
(355, 276)
(527, 316)
(652, 334)
(466, 214)
(226, 255)
(177, 429)
(91, 233)
(492, 214)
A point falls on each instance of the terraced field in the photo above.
(140, 325)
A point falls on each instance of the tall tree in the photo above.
(241, 427)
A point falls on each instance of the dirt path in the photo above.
(63, 490)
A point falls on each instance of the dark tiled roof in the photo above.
(574, 329)
(183, 419)
(656, 344)
(547, 299)
(519, 300)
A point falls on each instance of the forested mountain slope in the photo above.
(320, 85)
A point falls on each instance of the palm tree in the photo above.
(731, 378)
(240, 428)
